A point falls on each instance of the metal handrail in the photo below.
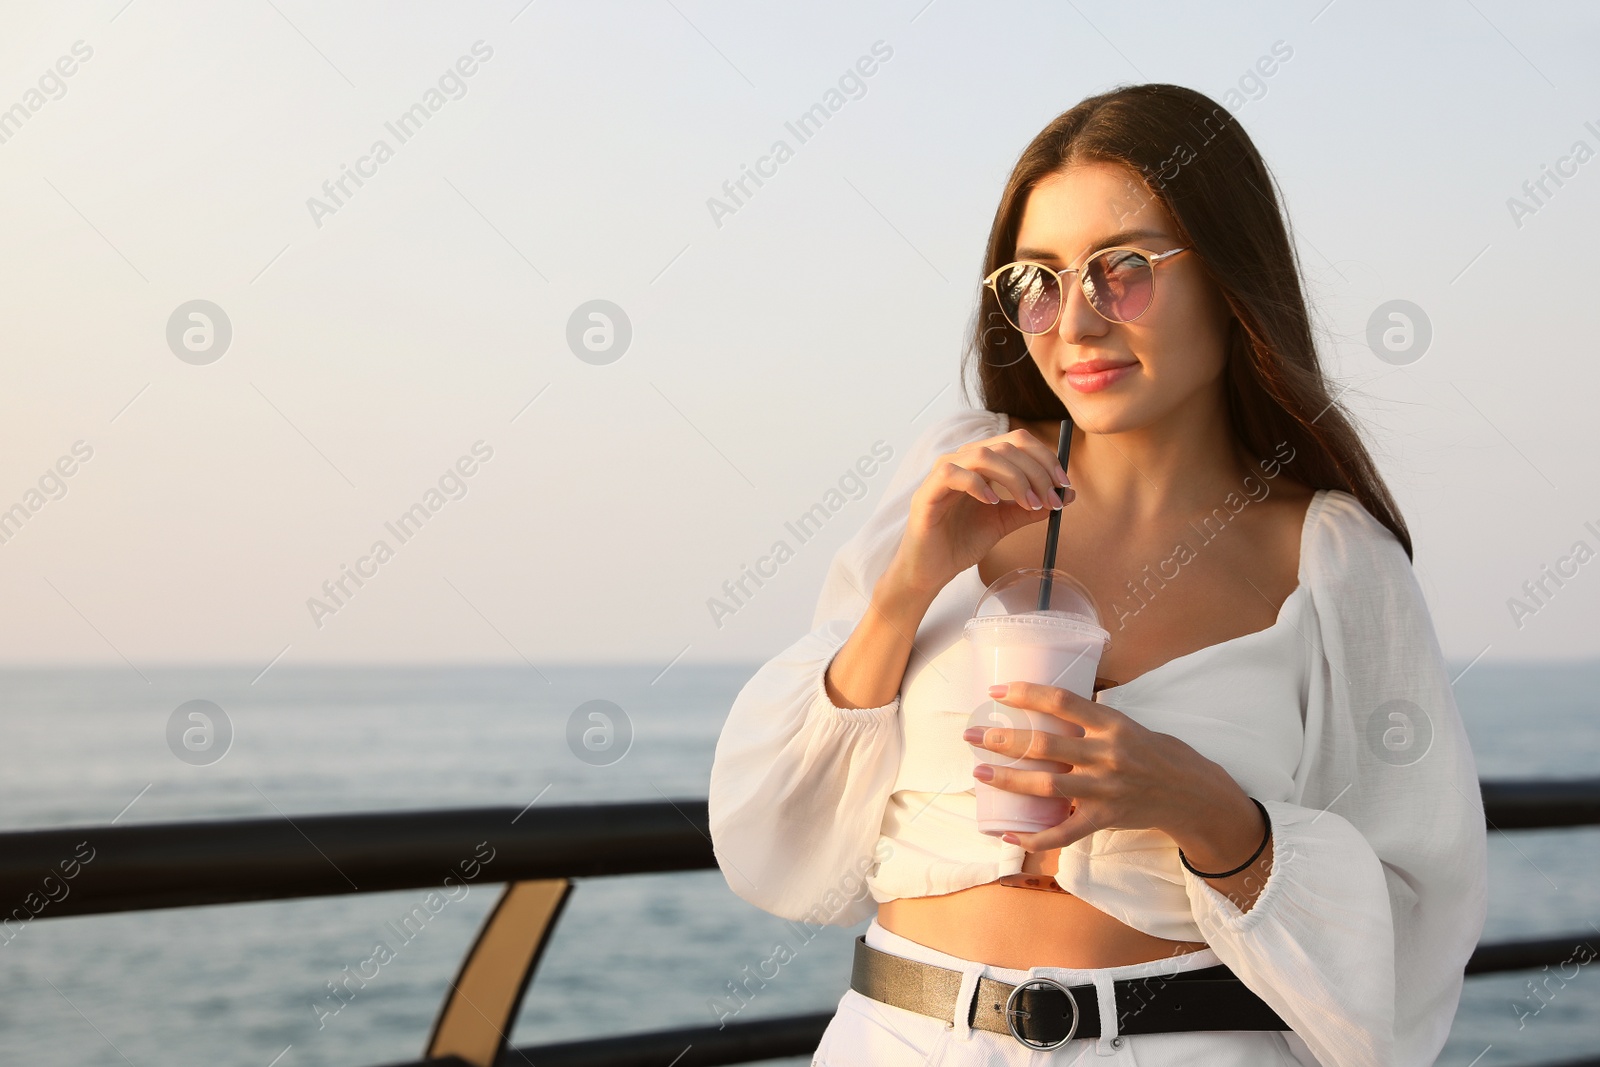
(183, 864)
(165, 865)
(1541, 803)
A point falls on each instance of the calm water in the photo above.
(237, 984)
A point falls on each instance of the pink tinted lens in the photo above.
(1029, 296)
(1120, 285)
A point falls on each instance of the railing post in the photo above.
(481, 1006)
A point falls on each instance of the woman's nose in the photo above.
(1077, 319)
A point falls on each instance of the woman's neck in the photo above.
(1186, 463)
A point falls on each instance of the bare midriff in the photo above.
(1017, 927)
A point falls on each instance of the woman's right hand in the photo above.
(971, 499)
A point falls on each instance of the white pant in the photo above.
(866, 1032)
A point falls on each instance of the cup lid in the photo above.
(1030, 601)
(1035, 590)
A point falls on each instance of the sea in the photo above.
(249, 984)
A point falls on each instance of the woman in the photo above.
(1276, 822)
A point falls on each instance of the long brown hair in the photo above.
(1195, 158)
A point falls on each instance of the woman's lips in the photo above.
(1094, 381)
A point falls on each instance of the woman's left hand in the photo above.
(1120, 774)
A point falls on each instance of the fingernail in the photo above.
(1061, 475)
(1033, 501)
(973, 735)
(983, 772)
(993, 497)
(1055, 501)
(998, 690)
(1010, 839)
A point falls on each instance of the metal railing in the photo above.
(536, 852)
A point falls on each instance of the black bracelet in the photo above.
(1247, 862)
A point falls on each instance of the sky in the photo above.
(277, 273)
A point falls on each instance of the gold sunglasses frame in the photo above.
(1153, 257)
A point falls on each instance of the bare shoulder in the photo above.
(1284, 520)
(1290, 499)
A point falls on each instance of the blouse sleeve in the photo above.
(1379, 887)
(798, 785)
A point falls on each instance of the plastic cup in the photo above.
(1013, 641)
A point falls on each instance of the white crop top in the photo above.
(1339, 718)
(1239, 703)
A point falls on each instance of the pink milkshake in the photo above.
(1014, 641)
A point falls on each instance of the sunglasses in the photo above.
(1119, 284)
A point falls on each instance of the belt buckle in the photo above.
(1012, 1012)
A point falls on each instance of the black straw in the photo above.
(1063, 447)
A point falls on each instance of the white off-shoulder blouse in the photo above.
(1339, 718)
